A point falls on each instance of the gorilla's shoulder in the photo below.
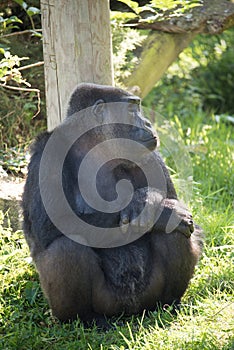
(39, 143)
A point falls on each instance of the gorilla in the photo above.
(134, 254)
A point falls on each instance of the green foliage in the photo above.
(19, 103)
(215, 83)
(9, 68)
(17, 125)
(125, 44)
(213, 76)
(178, 6)
(18, 108)
(29, 10)
(8, 24)
(157, 10)
(184, 97)
(203, 75)
(14, 161)
(205, 320)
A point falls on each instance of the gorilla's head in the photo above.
(107, 104)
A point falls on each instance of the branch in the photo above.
(37, 64)
(160, 50)
(21, 33)
(27, 90)
(213, 17)
(169, 37)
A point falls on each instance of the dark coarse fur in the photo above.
(95, 283)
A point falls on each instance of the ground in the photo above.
(11, 189)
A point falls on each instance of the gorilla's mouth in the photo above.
(150, 143)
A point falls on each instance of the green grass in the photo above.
(205, 320)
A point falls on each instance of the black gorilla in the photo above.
(95, 281)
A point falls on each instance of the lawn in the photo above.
(195, 98)
(206, 317)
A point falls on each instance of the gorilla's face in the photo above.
(116, 122)
(124, 119)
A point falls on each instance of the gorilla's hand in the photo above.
(175, 216)
(162, 215)
(134, 218)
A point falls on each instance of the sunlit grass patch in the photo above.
(205, 318)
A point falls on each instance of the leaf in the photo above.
(13, 19)
(21, 3)
(37, 34)
(31, 11)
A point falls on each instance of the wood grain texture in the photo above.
(77, 48)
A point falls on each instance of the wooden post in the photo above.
(77, 48)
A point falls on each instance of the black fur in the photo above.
(95, 283)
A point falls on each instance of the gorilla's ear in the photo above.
(98, 109)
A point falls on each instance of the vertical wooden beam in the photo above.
(77, 48)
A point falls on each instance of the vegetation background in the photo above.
(196, 97)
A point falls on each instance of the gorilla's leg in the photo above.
(69, 275)
(179, 256)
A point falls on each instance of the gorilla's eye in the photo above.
(133, 103)
(133, 107)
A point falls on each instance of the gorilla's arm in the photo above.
(165, 213)
(38, 228)
(162, 215)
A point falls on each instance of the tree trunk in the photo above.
(77, 48)
(160, 50)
